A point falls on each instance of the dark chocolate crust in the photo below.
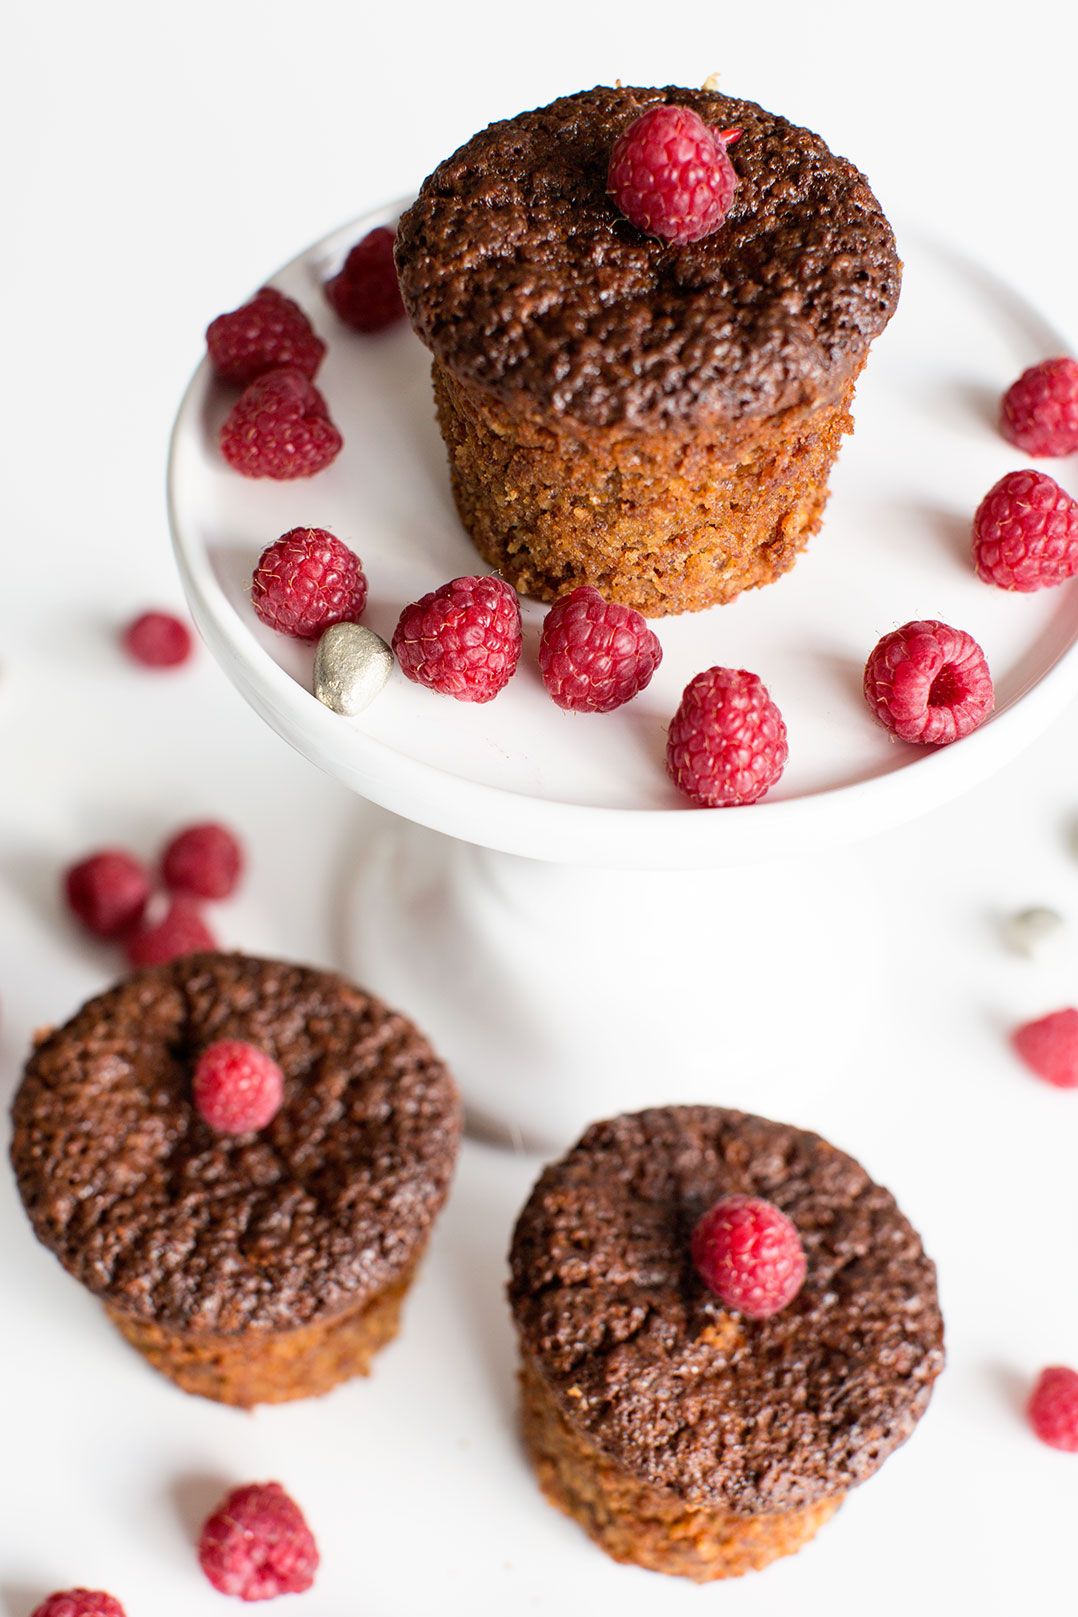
(196, 1231)
(521, 275)
(684, 1394)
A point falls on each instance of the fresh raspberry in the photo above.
(1049, 1047)
(593, 654)
(181, 930)
(1053, 1407)
(306, 580)
(727, 741)
(1039, 412)
(280, 427)
(108, 892)
(206, 860)
(157, 640)
(237, 1087)
(670, 175)
(1025, 533)
(79, 1603)
(749, 1253)
(365, 292)
(462, 639)
(927, 682)
(266, 333)
(257, 1544)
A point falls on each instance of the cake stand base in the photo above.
(559, 995)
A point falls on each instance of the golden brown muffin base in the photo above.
(640, 1525)
(659, 521)
(270, 1368)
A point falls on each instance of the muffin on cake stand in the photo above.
(576, 937)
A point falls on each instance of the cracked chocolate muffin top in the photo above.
(685, 1394)
(521, 275)
(174, 1223)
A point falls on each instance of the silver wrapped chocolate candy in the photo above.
(1036, 933)
(351, 667)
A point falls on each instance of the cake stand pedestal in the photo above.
(560, 993)
(574, 936)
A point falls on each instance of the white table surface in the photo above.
(161, 165)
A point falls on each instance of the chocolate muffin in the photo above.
(682, 1435)
(658, 421)
(249, 1268)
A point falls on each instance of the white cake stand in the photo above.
(574, 936)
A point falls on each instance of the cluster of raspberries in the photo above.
(1025, 531)
(256, 1545)
(280, 426)
(726, 744)
(113, 893)
(464, 639)
(928, 682)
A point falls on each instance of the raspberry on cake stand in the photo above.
(577, 938)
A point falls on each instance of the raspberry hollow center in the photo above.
(948, 688)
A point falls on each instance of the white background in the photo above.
(159, 165)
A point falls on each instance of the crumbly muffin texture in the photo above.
(651, 1527)
(270, 1367)
(522, 277)
(661, 522)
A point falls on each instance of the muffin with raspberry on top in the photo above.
(647, 310)
(725, 1325)
(243, 1159)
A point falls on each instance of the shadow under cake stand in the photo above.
(575, 937)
